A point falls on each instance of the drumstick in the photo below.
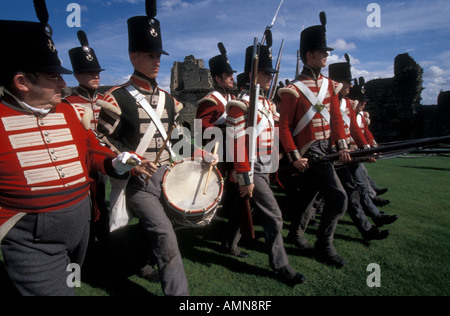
(162, 149)
(130, 161)
(210, 169)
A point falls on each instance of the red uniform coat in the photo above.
(238, 139)
(85, 104)
(45, 162)
(355, 137)
(294, 105)
(363, 125)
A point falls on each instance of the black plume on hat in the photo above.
(220, 64)
(31, 47)
(144, 32)
(314, 37)
(341, 72)
(83, 58)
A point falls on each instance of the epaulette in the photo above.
(88, 116)
(240, 104)
(84, 114)
(208, 98)
(109, 107)
(178, 106)
(337, 86)
(289, 89)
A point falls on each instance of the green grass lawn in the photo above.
(413, 261)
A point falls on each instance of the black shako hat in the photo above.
(358, 91)
(30, 45)
(144, 32)
(243, 81)
(264, 62)
(314, 37)
(341, 72)
(220, 63)
(83, 58)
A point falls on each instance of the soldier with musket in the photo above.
(309, 118)
(47, 154)
(139, 116)
(252, 178)
(351, 175)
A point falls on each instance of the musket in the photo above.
(273, 84)
(405, 147)
(247, 220)
(263, 40)
(297, 69)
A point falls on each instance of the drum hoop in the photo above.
(191, 212)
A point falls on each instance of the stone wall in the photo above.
(395, 102)
(190, 82)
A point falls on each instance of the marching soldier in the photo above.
(86, 69)
(309, 116)
(368, 199)
(46, 158)
(138, 116)
(350, 175)
(256, 186)
(212, 111)
(211, 108)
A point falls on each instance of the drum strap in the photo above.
(6, 227)
(155, 117)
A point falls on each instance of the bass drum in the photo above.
(183, 190)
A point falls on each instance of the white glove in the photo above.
(125, 162)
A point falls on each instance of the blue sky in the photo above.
(194, 27)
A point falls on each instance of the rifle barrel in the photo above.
(410, 144)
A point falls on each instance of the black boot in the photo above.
(289, 276)
(328, 255)
(380, 202)
(375, 234)
(384, 219)
(381, 191)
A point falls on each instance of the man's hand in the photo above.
(345, 156)
(147, 168)
(302, 164)
(247, 190)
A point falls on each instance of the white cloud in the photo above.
(341, 44)
(434, 72)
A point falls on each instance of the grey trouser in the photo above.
(144, 199)
(355, 210)
(269, 216)
(322, 178)
(362, 183)
(40, 247)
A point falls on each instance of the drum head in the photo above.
(184, 185)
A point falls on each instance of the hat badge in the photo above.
(51, 45)
(153, 32)
(87, 50)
